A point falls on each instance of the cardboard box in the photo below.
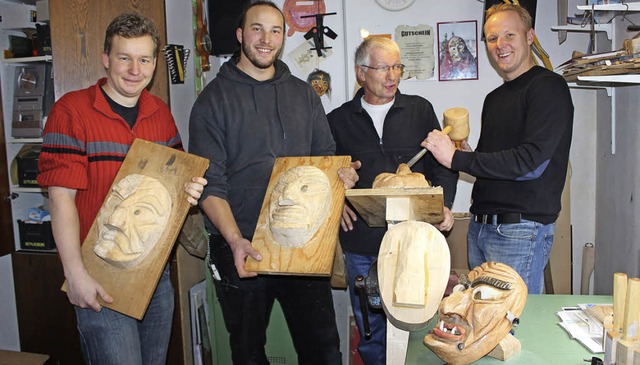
(457, 240)
(36, 236)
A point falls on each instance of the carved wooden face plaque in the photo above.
(473, 320)
(296, 231)
(299, 204)
(132, 220)
(133, 283)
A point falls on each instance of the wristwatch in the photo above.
(395, 5)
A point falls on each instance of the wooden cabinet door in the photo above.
(46, 320)
(77, 41)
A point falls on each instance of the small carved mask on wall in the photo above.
(478, 314)
(320, 81)
(298, 205)
(132, 220)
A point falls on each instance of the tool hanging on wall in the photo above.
(177, 58)
(318, 32)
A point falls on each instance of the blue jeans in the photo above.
(524, 246)
(109, 337)
(374, 350)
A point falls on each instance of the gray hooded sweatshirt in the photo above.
(241, 125)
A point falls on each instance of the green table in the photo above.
(543, 341)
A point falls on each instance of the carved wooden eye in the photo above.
(486, 293)
(304, 188)
(137, 212)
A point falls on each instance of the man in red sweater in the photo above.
(86, 138)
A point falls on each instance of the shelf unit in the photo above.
(613, 79)
(15, 16)
(627, 6)
(606, 82)
(28, 59)
(606, 28)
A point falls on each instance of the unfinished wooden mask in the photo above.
(478, 314)
(298, 205)
(403, 178)
(132, 220)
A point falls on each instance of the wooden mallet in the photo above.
(458, 120)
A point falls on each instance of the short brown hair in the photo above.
(243, 16)
(131, 25)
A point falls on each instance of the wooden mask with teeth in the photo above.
(478, 315)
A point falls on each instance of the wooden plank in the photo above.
(426, 204)
(506, 348)
(316, 256)
(619, 302)
(397, 344)
(339, 271)
(630, 339)
(21, 358)
(132, 288)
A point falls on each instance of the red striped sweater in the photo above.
(85, 143)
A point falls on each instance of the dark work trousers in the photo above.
(246, 306)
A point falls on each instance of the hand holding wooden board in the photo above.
(297, 230)
(132, 284)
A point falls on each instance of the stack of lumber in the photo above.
(621, 62)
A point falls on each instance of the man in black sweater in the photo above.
(521, 160)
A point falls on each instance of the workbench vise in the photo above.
(369, 293)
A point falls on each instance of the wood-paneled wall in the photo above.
(77, 40)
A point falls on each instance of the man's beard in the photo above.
(255, 60)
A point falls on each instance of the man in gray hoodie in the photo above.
(251, 113)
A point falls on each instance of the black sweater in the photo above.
(407, 124)
(521, 160)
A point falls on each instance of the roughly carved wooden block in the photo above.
(403, 178)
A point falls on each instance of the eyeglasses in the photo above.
(384, 69)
